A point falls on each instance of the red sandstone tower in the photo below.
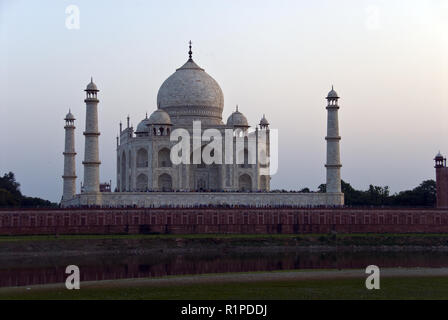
(441, 181)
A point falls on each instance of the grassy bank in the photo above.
(147, 236)
(320, 237)
(307, 289)
(96, 243)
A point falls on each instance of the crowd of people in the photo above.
(211, 206)
(222, 191)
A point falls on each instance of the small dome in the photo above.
(237, 119)
(143, 126)
(159, 117)
(69, 116)
(439, 155)
(332, 94)
(264, 121)
(91, 86)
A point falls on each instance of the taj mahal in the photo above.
(190, 101)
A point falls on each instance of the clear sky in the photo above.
(388, 60)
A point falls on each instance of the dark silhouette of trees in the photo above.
(322, 188)
(422, 196)
(10, 195)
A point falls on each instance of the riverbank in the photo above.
(396, 283)
(75, 245)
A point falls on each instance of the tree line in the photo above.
(423, 195)
(11, 196)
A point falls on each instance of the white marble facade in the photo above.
(190, 94)
(146, 176)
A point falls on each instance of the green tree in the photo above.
(10, 195)
(422, 196)
(322, 188)
(8, 182)
(7, 199)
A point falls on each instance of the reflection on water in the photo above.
(40, 270)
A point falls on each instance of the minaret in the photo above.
(69, 177)
(441, 181)
(91, 155)
(333, 155)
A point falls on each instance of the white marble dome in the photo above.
(191, 94)
(264, 121)
(332, 94)
(69, 116)
(237, 119)
(91, 86)
(143, 126)
(159, 117)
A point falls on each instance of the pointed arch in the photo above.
(245, 183)
(142, 182)
(142, 158)
(165, 182)
(164, 158)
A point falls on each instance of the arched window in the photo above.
(245, 183)
(164, 160)
(202, 185)
(142, 182)
(142, 158)
(165, 182)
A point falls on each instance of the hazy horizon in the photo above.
(387, 60)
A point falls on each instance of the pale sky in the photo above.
(388, 60)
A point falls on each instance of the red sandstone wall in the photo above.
(222, 220)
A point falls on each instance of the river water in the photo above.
(43, 270)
